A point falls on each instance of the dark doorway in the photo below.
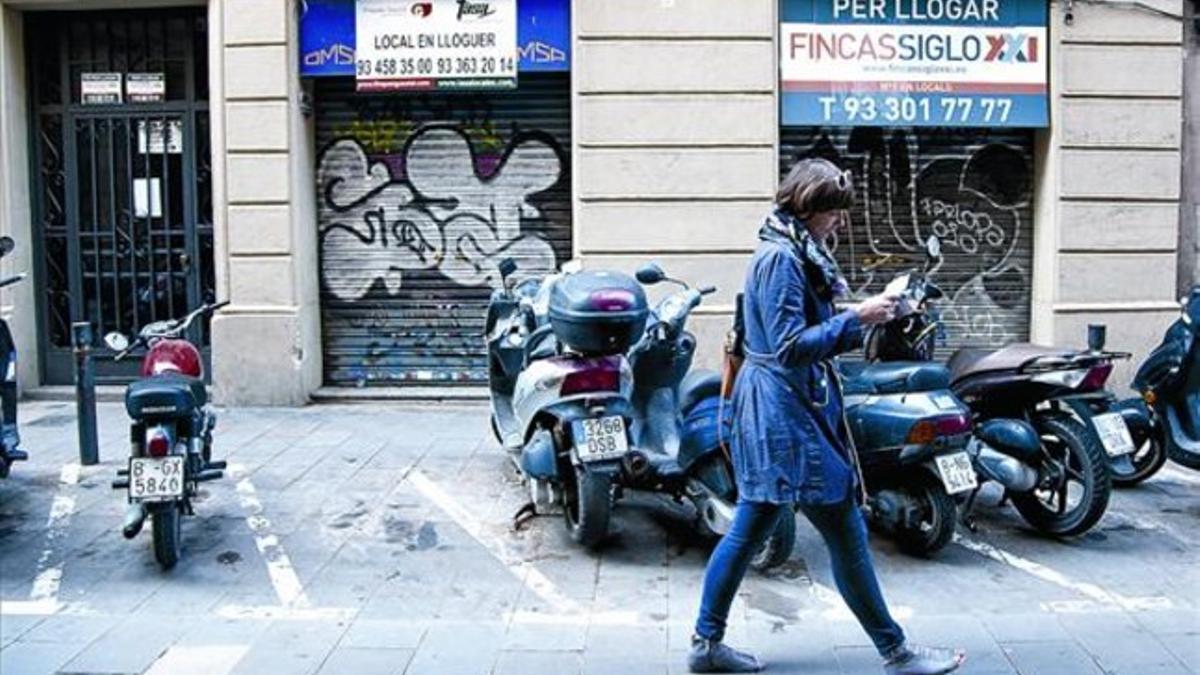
(122, 187)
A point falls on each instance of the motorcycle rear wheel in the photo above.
(939, 517)
(588, 507)
(1147, 460)
(1080, 456)
(166, 533)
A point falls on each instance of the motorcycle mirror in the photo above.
(507, 267)
(933, 246)
(6, 245)
(116, 342)
(651, 273)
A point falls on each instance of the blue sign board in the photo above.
(958, 63)
(327, 38)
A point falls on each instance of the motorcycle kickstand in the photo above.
(968, 515)
(524, 515)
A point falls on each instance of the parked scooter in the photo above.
(677, 423)
(1168, 412)
(10, 438)
(171, 433)
(1040, 433)
(560, 387)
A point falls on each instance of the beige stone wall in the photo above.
(17, 303)
(676, 134)
(1116, 174)
(266, 343)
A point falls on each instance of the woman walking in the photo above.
(789, 444)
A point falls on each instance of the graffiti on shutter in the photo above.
(970, 188)
(419, 198)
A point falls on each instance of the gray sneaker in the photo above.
(713, 656)
(923, 661)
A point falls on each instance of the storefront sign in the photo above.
(99, 88)
(328, 40)
(959, 63)
(439, 44)
(145, 87)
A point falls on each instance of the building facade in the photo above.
(356, 235)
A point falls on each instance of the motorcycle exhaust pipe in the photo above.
(1010, 472)
(135, 517)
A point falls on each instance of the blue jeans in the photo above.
(841, 526)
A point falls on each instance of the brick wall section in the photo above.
(1118, 121)
(675, 141)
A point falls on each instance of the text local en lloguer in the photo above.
(435, 41)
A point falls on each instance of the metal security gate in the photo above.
(970, 187)
(420, 196)
(122, 189)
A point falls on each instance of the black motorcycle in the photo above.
(9, 436)
(1040, 415)
(1165, 421)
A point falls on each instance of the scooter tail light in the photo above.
(158, 443)
(1096, 378)
(930, 429)
(588, 380)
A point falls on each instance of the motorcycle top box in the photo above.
(598, 312)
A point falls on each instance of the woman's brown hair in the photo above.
(813, 186)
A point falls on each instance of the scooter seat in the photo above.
(697, 386)
(967, 362)
(168, 394)
(893, 378)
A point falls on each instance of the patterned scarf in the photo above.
(828, 279)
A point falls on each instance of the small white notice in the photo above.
(100, 88)
(145, 87)
(147, 197)
(158, 136)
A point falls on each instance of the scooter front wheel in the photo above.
(588, 507)
(166, 526)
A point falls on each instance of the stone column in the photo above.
(266, 342)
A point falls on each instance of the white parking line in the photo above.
(198, 660)
(562, 608)
(1097, 597)
(49, 577)
(279, 566)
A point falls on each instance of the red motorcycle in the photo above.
(171, 433)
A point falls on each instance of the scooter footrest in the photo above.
(219, 464)
(121, 484)
(122, 472)
(209, 474)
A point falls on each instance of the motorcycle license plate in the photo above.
(154, 479)
(1114, 434)
(600, 438)
(956, 472)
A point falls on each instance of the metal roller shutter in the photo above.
(971, 187)
(420, 196)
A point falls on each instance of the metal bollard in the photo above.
(85, 392)
(1097, 336)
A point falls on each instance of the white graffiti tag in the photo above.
(444, 217)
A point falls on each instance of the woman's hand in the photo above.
(877, 309)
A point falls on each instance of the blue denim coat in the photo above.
(788, 440)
